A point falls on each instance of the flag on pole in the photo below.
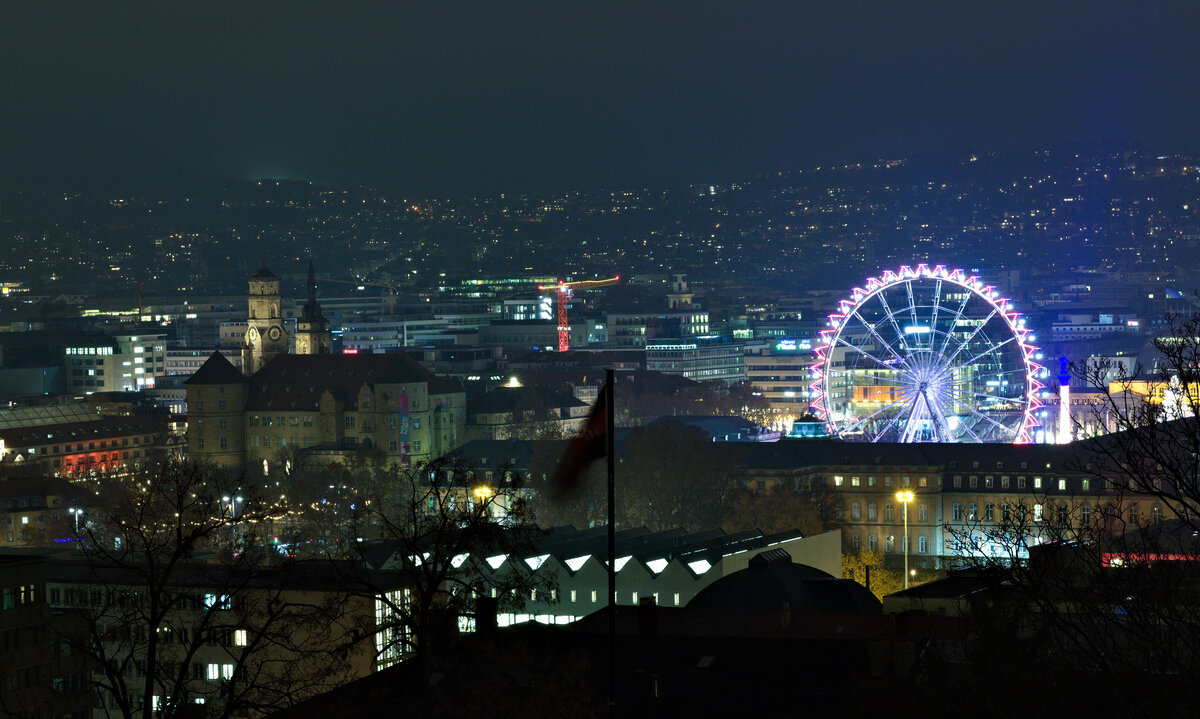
(588, 447)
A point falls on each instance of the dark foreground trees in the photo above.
(1100, 588)
(185, 602)
(459, 539)
(669, 475)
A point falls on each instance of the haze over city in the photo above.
(598, 359)
(472, 97)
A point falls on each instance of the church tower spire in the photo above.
(312, 331)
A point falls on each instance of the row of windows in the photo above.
(889, 512)
(989, 482)
(12, 597)
(889, 543)
(840, 481)
(999, 465)
(104, 444)
(1057, 512)
(281, 421)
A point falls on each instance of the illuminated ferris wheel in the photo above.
(926, 355)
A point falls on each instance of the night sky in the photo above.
(458, 97)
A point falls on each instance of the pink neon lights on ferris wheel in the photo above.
(1001, 307)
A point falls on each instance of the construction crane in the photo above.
(565, 290)
(362, 284)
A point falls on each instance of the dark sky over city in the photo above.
(458, 96)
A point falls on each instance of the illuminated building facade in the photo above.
(124, 362)
(779, 374)
(322, 406)
(106, 446)
(266, 334)
(701, 359)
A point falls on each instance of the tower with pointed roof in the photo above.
(312, 331)
(216, 400)
(266, 335)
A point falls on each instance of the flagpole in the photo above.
(610, 453)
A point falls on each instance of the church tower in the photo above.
(680, 297)
(312, 332)
(265, 335)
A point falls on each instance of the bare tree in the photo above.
(672, 475)
(1103, 582)
(185, 602)
(457, 537)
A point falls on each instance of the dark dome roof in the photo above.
(774, 582)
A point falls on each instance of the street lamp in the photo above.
(905, 497)
(76, 512)
(233, 503)
(482, 494)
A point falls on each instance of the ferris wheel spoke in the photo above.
(863, 420)
(879, 362)
(958, 314)
(912, 303)
(891, 316)
(937, 300)
(980, 415)
(959, 393)
(911, 424)
(950, 360)
(875, 333)
(941, 424)
(986, 352)
(883, 427)
(864, 376)
(967, 428)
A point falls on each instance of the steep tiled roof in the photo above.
(444, 385)
(82, 431)
(265, 274)
(217, 370)
(295, 383)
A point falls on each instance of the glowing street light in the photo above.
(233, 503)
(482, 494)
(76, 511)
(905, 497)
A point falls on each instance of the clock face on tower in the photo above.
(274, 333)
(253, 334)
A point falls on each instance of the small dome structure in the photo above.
(773, 582)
